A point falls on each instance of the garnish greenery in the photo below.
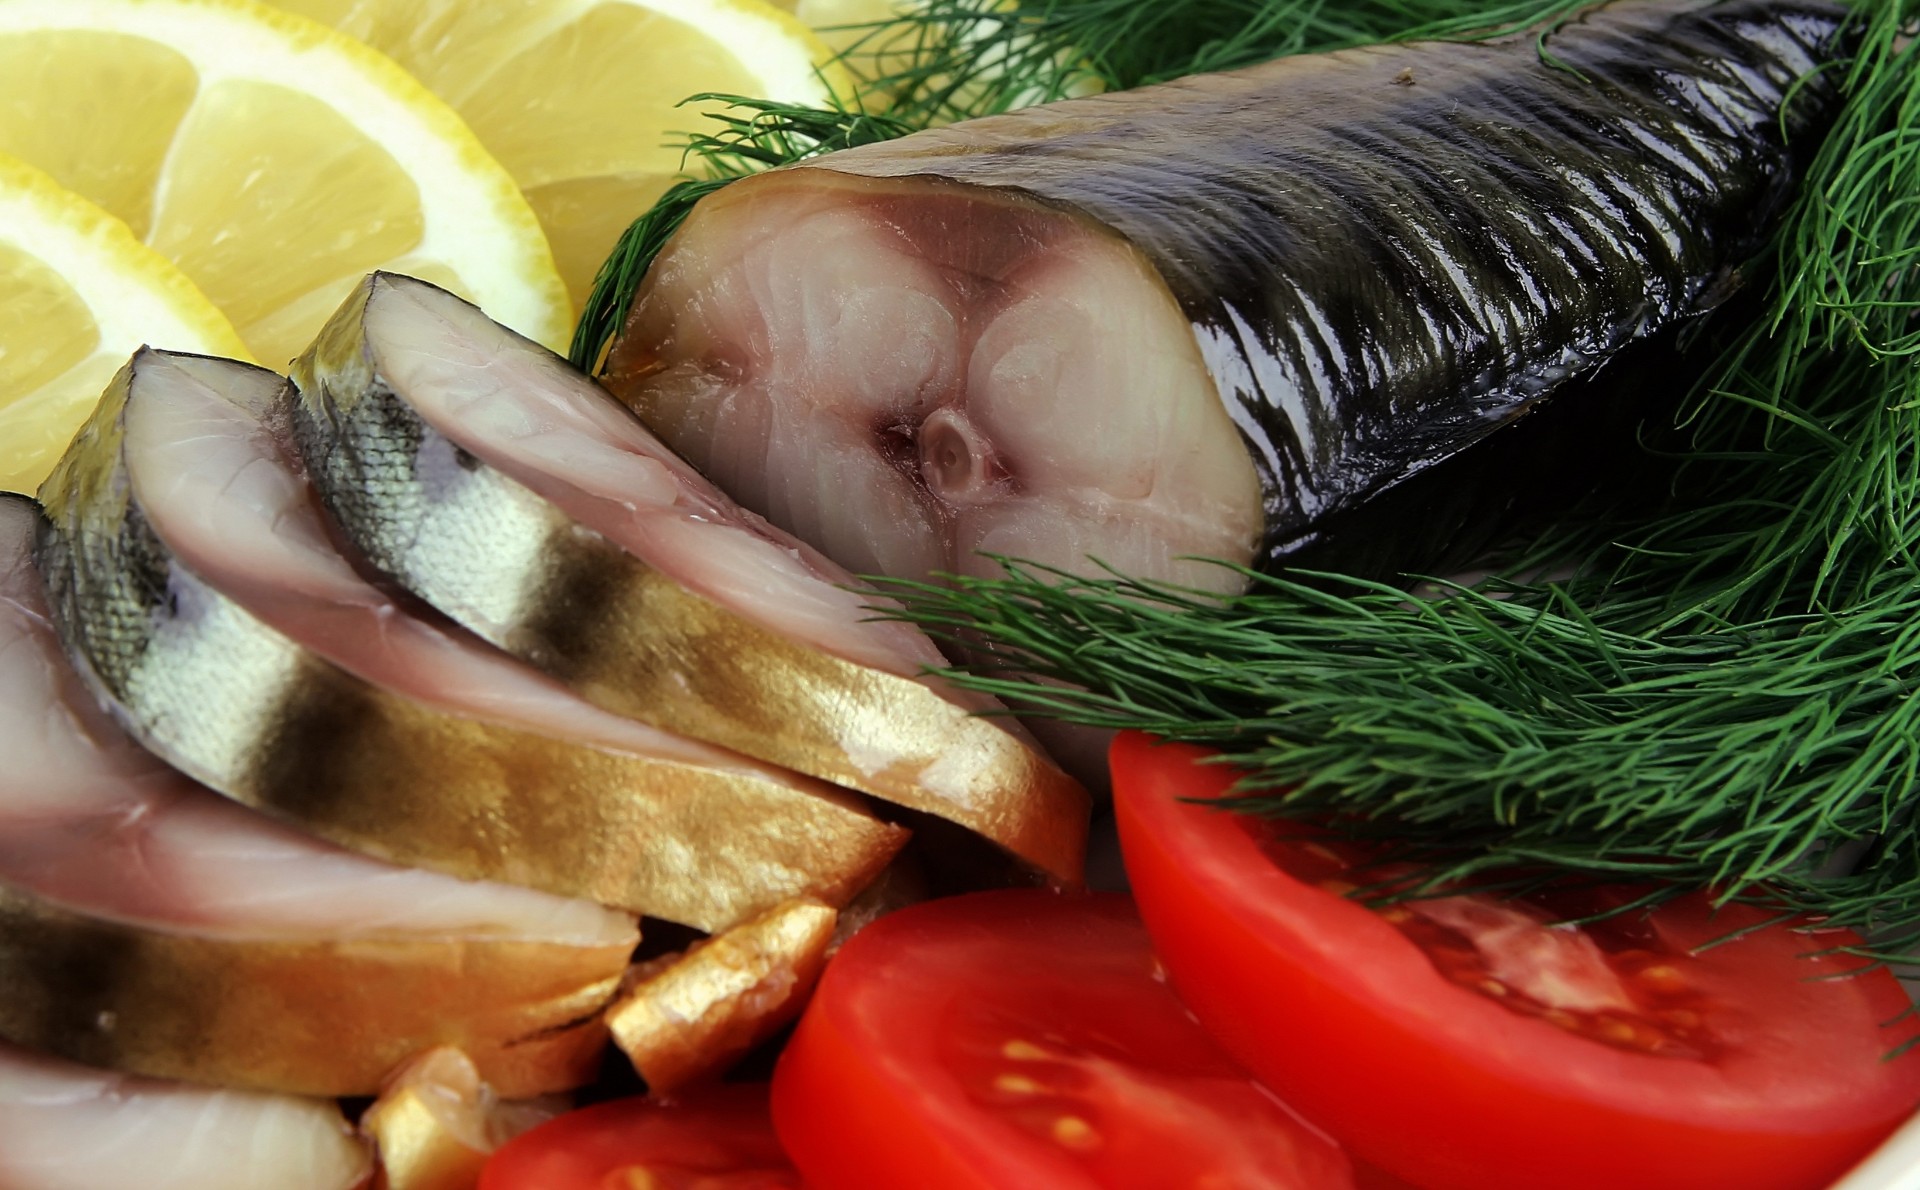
(1726, 692)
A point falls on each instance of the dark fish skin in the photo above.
(1387, 253)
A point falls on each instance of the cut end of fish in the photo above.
(688, 1016)
(478, 471)
(912, 374)
(437, 1121)
(1047, 332)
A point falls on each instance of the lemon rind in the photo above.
(145, 298)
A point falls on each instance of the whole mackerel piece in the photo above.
(1208, 317)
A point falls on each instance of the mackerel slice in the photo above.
(515, 495)
(66, 1127)
(194, 579)
(147, 925)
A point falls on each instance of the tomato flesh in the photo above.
(1606, 982)
(719, 1139)
(1468, 1043)
(1024, 1039)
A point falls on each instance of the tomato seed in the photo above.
(1075, 1133)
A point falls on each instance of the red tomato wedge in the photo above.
(1023, 1039)
(1469, 1043)
(720, 1139)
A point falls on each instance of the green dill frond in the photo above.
(1495, 736)
(948, 60)
(1727, 693)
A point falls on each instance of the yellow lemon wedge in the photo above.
(274, 160)
(579, 99)
(79, 293)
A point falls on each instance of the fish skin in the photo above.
(1387, 253)
(626, 635)
(67, 1127)
(130, 939)
(255, 715)
(1296, 258)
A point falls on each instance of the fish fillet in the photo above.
(509, 491)
(195, 576)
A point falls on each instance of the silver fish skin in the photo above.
(151, 926)
(254, 659)
(484, 475)
(69, 1127)
(1215, 316)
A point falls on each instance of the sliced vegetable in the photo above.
(721, 1140)
(1471, 1042)
(1023, 1039)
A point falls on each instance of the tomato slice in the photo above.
(719, 1139)
(1017, 1039)
(1469, 1043)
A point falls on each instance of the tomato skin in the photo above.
(897, 1076)
(717, 1139)
(1339, 1012)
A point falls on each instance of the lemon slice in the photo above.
(578, 98)
(274, 160)
(78, 294)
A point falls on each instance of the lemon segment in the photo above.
(581, 99)
(79, 293)
(274, 159)
(110, 147)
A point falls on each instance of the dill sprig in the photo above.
(1490, 736)
(1723, 696)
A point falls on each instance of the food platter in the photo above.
(429, 604)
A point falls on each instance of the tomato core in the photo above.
(1598, 980)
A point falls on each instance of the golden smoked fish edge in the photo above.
(326, 1017)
